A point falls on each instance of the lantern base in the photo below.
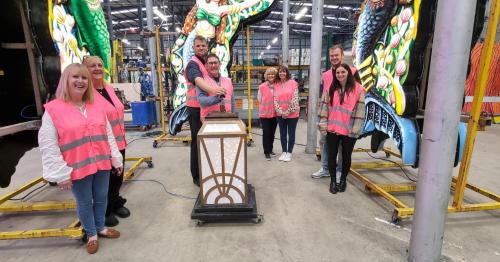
(215, 213)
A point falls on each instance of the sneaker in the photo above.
(273, 154)
(288, 157)
(282, 157)
(320, 173)
(268, 157)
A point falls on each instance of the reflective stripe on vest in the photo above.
(284, 94)
(90, 160)
(191, 98)
(224, 83)
(115, 114)
(339, 115)
(82, 140)
(266, 105)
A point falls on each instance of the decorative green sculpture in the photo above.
(78, 28)
(218, 21)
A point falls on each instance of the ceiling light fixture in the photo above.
(268, 47)
(275, 40)
(177, 29)
(125, 41)
(160, 14)
(140, 48)
(301, 13)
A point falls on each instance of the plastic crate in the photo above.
(143, 113)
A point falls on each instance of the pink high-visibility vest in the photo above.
(115, 114)
(83, 141)
(339, 115)
(284, 94)
(224, 83)
(328, 77)
(191, 98)
(266, 105)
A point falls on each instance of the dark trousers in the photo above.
(333, 141)
(194, 125)
(115, 201)
(287, 127)
(268, 130)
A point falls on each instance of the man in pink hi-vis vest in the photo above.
(212, 102)
(194, 73)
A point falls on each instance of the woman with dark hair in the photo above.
(286, 104)
(341, 118)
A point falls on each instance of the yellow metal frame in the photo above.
(250, 101)
(71, 231)
(165, 136)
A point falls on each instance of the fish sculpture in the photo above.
(389, 46)
(93, 31)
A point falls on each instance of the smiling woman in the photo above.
(78, 150)
(106, 98)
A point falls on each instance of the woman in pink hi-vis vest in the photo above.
(267, 113)
(340, 104)
(286, 104)
(78, 150)
(105, 97)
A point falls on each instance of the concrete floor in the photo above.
(303, 221)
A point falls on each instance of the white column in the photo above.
(152, 55)
(448, 69)
(284, 40)
(314, 74)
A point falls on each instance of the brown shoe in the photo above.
(110, 233)
(92, 246)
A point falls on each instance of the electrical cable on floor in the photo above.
(163, 186)
(29, 193)
(400, 167)
(298, 144)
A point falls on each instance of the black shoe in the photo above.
(273, 154)
(196, 182)
(342, 186)
(268, 157)
(333, 184)
(122, 212)
(333, 189)
(111, 221)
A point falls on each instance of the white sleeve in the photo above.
(55, 169)
(116, 156)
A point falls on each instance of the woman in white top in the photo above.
(78, 150)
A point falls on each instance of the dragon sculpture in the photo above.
(389, 48)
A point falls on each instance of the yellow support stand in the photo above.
(165, 136)
(74, 230)
(250, 102)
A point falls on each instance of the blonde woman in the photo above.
(267, 114)
(78, 150)
(105, 97)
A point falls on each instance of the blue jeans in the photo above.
(287, 127)
(324, 154)
(91, 195)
